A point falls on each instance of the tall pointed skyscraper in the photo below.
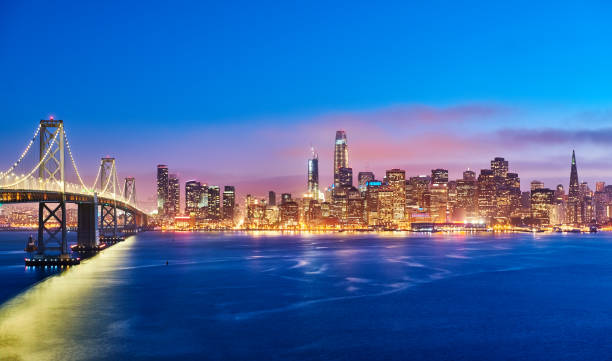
(313, 175)
(340, 155)
(574, 204)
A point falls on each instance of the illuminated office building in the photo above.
(345, 177)
(536, 184)
(466, 207)
(416, 190)
(340, 156)
(229, 203)
(487, 188)
(214, 203)
(313, 175)
(575, 202)
(396, 180)
(162, 189)
(174, 196)
(362, 179)
(542, 201)
(438, 195)
(193, 195)
(371, 202)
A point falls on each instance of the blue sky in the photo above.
(180, 82)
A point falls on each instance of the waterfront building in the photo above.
(313, 175)
(466, 207)
(362, 179)
(438, 195)
(386, 206)
(487, 188)
(371, 202)
(193, 195)
(416, 190)
(542, 200)
(229, 203)
(396, 180)
(162, 189)
(214, 203)
(289, 214)
(340, 155)
(575, 203)
(174, 196)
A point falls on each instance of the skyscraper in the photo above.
(345, 177)
(271, 198)
(574, 202)
(162, 188)
(362, 179)
(174, 196)
(313, 175)
(340, 155)
(229, 202)
(438, 195)
(397, 182)
(214, 202)
(193, 195)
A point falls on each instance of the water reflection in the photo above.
(48, 320)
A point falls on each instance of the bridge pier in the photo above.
(88, 236)
(47, 216)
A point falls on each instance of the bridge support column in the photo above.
(52, 239)
(108, 221)
(88, 236)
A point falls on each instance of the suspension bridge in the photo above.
(107, 209)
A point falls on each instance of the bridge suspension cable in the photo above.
(42, 160)
(25, 152)
(76, 169)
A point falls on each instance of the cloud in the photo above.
(600, 136)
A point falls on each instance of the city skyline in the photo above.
(412, 94)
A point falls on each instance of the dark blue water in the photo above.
(332, 297)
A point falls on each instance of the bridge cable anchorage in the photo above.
(42, 160)
(25, 152)
(76, 169)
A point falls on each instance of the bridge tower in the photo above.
(108, 209)
(52, 215)
(129, 194)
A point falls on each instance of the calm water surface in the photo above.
(332, 297)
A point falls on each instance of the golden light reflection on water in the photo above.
(46, 321)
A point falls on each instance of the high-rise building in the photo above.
(466, 208)
(499, 166)
(340, 155)
(162, 188)
(438, 191)
(174, 196)
(345, 177)
(417, 198)
(214, 202)
(487, 189)
(542, 201)
(272, 198)
(193, 195)
(229, 202)
(362, 179)
(536, 184)
(285, 197)
(396, 179)
(313, 175)
(574, 197)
